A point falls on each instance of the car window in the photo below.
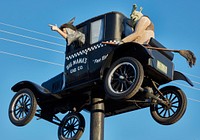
(83, 30)
(96, 32)
(128, 28)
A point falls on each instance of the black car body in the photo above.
(86, 68)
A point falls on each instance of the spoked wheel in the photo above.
(124, 78)
(175, 108)
(22, 107)
(72, 127)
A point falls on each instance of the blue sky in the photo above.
(176, 26)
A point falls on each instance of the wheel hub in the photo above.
(70, 128)
(168, 105)
(23, 107)
(121, 77)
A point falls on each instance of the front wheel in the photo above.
(124, 78)
(71, 127)
(174, 110)
(22, 107)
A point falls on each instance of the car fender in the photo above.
(128, 49)
(106, 64)
(39, 91)
(133, 46)
(179, 76)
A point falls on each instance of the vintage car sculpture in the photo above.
(127, 76)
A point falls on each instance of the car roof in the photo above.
(99, 16)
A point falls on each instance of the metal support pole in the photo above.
(97, 118)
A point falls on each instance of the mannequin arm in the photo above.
(55, 28)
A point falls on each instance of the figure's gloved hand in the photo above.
(53, 27)
(120, 42)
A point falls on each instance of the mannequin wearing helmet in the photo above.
(69, 32)
(143, 29)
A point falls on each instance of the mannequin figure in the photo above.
(143, 28)
(69, 32)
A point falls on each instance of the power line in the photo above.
(196, 82)
(17, 27)
(186, 86)
(13, 26)
(63, 53)
(3, 31)
(193, 100)
(30, 58)
(31, 45)
(192, 75)
(57, 64)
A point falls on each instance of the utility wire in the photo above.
(193, 100)
(31, 45)
(60, 44)
(30, 58)
(57, 64)
(192, 75)
(17, 27)
(63, 53)
(196, 82)
(186, 86)
(53, 43)
(13, 26)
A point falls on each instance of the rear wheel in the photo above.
(124, 78)
(22, 107)
(71, 127)
(174, 110)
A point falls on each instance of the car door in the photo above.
(76, 61)
(76, 67)
(98, 52)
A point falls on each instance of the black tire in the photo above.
(71, 127)
(124, 78)
(22, 107)
(167, 115)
